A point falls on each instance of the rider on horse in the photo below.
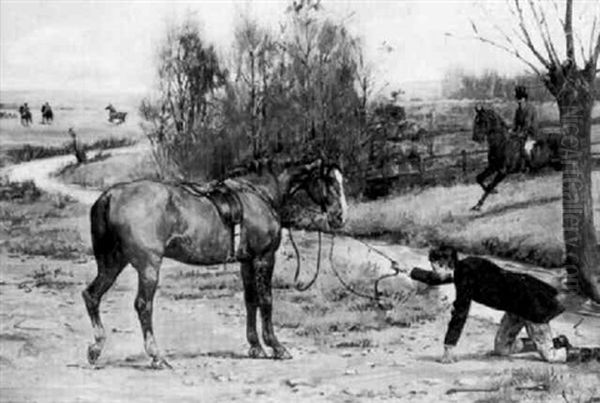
(525, 122)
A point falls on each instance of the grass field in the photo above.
(523, 221)
(83, 112)
(34, 223)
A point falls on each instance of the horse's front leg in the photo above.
(251, 301)
(483, 176)
(490, 189)
(264, 273)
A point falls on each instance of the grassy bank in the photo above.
(523, 221)
(28, 152)
(34, 223)
(105, 172)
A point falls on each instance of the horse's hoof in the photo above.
(160, 363)
(256, 352)
(281, 353)
(93, 353)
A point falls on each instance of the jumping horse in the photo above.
(114, 116)
(508, 153)
(144, 221)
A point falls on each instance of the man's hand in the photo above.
(448, 357)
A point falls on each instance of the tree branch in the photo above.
(592, 36)
(528, 41)
(540, 19)
(568, 28)
(562, 22)
(594, 58)
(513, 51)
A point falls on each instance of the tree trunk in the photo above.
(582, 256)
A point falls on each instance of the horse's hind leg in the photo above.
(147, 284)
(264, 273)
(251, 301)
(107, 274)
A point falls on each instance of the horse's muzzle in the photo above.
(336, 219)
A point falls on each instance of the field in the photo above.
(370, 354)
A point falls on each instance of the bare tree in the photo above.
(569, 76)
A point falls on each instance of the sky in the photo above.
(110, 45)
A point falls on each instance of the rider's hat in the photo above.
(521, 92)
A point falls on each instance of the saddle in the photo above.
(227, 203)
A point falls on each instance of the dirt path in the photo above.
(44, 332)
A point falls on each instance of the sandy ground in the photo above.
(44, 332)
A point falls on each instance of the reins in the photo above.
(376, 296)
(297, 284)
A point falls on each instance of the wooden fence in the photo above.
(443, 169)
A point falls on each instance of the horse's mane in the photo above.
(495, 117)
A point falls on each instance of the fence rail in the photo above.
(465, 165)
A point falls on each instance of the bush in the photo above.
(22, 191)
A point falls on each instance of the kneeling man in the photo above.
(527, 301)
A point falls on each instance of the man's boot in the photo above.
(583, 354)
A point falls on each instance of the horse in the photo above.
(113, 115)
(508, 153)
(47, 114)
(142, 222)
(26, 117)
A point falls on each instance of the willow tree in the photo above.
(567, 66)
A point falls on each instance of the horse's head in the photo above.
(110, 107)
(481, 124)
(324, 184)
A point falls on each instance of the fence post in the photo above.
(422, 170)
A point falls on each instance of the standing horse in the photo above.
(113, 115)
(507, 153)
(141, 222)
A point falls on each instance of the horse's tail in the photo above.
(105, 240)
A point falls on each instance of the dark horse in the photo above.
(47, 114)
(26, 117)
(508, 153)
(114, 116)
(144, 221)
